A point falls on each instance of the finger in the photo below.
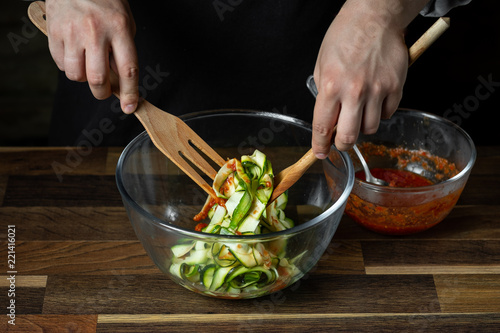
(74, 62)
(56, 48)
(326, 111)
(56, 42)
(372, 111)
(73, 53)
(349, 124)
(125, 60)
(97, 62)
(391, 104)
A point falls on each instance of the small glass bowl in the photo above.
(423, 143)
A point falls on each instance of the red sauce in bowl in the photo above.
(396, 177)
(397, 213)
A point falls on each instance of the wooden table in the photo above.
(79, 266)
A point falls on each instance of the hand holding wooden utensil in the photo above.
(286, 178)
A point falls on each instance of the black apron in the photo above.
(199, 55)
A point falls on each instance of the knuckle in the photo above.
(130, 71)
(130, 97)
(346, 139)
(395, 84)
(97, 79)
(322, 130)
(70, 31)
(377, 87)
(95, 19)
(120, 22)
(330, 87)
(356, 89)
(75, 76)
(116, 21)
(393, 88)
(92, 23)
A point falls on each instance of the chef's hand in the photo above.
(87, 37)
(360, 70)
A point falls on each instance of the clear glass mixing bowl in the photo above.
(161, 201)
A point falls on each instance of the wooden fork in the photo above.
(169, 133)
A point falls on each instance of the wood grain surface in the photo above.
(80, 267)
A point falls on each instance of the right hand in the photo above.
(88, 37)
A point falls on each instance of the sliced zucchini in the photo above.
(190, 272)
(175, 269)
(257, 163)
(219, 277)
(249, 225)
(196, 257)
(218, 215)
(212, 229)
(207, 275)
(182, 249)
(233, 202)
(243, 177)
(243, 277)
(243, 253)
(222, 256)
(251, 222)
(224, 172)
(241, 210)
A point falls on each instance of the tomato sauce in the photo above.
(396, 177)
(203, 214)
(403, 219)
(200, 226)
(227, 185)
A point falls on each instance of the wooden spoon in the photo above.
(289, 176)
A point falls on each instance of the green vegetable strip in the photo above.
(246, 186)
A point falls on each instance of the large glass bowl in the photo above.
(426, 144)
(161, 200)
